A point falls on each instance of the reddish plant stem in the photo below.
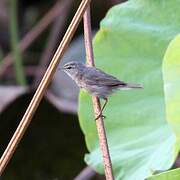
(96, 102)
(21, 129)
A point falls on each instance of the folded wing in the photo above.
(97, 77)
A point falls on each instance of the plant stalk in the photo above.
(96, 102)
(23, 125)
(20, 76)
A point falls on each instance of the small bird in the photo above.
(95, 81)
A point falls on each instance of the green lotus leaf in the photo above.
(171, 76)
(130, 45)
(168, 175)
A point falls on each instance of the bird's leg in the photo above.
(104, 105)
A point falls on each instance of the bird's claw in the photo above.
(100, 115)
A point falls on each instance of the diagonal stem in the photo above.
(32, 35)
(8, 153)
(55, 34)
(96, 102)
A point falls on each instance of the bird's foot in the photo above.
(100, 115)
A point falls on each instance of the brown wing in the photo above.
(95, 76)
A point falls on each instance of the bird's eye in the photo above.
(69, 67)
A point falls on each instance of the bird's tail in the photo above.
(131, 86)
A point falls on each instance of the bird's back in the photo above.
(97, 82)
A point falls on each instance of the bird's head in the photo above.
(73, 69)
